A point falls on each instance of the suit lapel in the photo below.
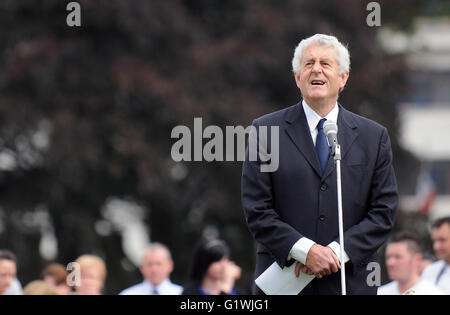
(298, 132)
(347, 133)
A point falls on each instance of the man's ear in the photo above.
(418, 257)
(297, 79)
(344, 78)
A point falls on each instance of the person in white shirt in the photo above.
(15, 288)
(403, 260)
(9, 284)
(439, 271)
(156, 267)
(427, 259)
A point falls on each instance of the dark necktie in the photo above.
(441, 272)
(322, 148)
(155, 291)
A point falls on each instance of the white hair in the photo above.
(342, 54)
(156, 246)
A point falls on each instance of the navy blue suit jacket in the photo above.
(297, 200)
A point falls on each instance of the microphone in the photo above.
(330, 129)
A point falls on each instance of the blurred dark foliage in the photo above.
(110, 92)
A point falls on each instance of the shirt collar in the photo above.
(313, 118)
(159, 287)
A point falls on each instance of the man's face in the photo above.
(401, 263)
(91, 281)
(7, 274)
(156, 266)
(319, 79)
(441, 241)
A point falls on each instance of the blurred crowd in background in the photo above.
(412, 270)
(86, 115)
(212, 273)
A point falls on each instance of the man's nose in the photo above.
(390, 262)
(436, 246)
(316, 67)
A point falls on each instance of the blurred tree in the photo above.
(86, 113)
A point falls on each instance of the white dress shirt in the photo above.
(423, 287)
(301, 248)
(439, 269)
(146, 288)
(15, 288)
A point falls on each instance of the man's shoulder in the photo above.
(167, 287)
(134, 289)
(277, 117)
(292, 112)
(432, 270)
(427, 287)
(388, 288)
(175, 287)
(361, 121)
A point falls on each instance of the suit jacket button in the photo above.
(322, 217)
(323, 187)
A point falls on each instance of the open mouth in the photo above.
(317, 82)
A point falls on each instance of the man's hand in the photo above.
(320, 261)
(303, 268)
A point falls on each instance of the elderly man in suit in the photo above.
(292, 211)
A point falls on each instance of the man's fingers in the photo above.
(321, 261)
(297, 269)
(336, 265)
(303, 268)
(306, 270)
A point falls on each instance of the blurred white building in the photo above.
(425, 112)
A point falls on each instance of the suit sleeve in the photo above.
(364, 239)
(264, 223)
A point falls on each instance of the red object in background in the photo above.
(425, 190)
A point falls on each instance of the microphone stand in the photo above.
(337, 158)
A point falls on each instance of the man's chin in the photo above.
(317, 97)
(442, 256)
(393, 276)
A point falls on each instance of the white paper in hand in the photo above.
(277, 281)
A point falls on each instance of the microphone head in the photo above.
(330, 127)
